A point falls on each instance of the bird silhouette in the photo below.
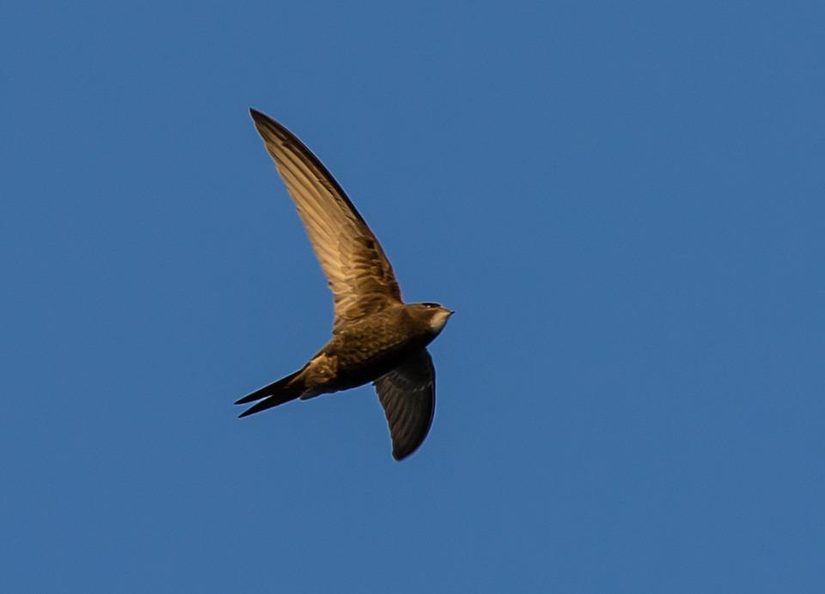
(376, 337)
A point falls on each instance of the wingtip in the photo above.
(400, 455)
(264, 123)
(402, 451)
(256, 115)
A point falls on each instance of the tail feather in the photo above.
(284, 390)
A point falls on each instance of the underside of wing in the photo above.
(359, 274)
(407, 394)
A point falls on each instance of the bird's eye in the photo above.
(430, 304)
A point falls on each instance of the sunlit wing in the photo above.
(359, 274)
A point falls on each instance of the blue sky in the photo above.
(623, 202)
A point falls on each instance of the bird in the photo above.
(376, 336)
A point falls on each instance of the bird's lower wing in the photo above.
(407, 394)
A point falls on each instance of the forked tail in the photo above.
(284, 390)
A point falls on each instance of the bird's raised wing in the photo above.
(407, 394)
(359, 274)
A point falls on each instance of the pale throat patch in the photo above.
(438, 321)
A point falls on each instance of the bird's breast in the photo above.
(370, 348)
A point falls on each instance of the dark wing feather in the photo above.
(407, 394)
(359, 274)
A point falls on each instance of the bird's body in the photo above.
(369, 348)
(376, 336)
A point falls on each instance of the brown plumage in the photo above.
(376, 337)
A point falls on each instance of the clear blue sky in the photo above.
(625, 203)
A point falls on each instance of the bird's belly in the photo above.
(360, 366)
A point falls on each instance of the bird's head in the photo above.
(435, 314)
